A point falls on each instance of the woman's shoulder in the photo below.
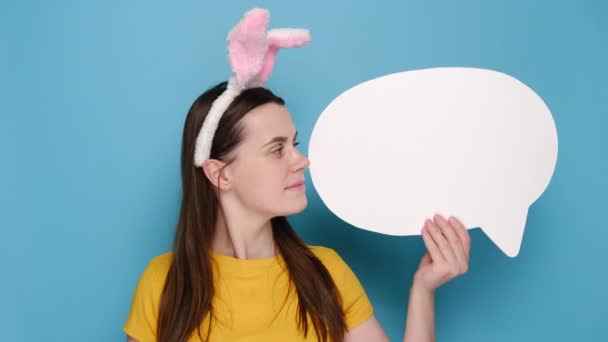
(319, 250)
(329, 257)
(356, 304)
(161, 261)
(157, 268)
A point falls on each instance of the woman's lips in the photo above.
(297, 186)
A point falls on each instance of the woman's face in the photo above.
(268, 163)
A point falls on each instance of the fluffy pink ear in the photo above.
(281, 38)
(248, 45)
(288, 37)
(271, 56)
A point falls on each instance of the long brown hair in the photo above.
(188, 291)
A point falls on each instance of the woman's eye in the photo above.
(279, 150)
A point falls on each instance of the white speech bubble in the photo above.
(473, 143)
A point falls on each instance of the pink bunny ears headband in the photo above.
(252, 50)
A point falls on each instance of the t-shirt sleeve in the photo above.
(143, 314)
(356, 304)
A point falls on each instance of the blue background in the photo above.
(93, 95)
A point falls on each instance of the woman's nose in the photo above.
(307, 162)
(301, 161)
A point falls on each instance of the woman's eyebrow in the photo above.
(282, 139)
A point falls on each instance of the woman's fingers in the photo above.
(460, 258)
(463, 234)
(447, 256)
(441, 241)
(431, 246)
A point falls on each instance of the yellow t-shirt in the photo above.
(249, 294)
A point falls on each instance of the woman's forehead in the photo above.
(268, 121)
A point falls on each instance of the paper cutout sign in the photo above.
(473, 143)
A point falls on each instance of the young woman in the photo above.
(239, 272)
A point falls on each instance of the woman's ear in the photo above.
(213, 169)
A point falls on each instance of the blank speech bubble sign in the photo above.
(466, 142)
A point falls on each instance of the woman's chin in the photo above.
(296, 208)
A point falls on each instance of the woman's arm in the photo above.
(420, 325)
(370, 330)
(448, 248)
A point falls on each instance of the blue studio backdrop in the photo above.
(93, 96)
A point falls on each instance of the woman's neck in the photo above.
(240, 234)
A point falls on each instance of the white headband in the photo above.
(252, 51)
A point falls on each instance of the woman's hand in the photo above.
(448, 245)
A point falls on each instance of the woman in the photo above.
(239, 272)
